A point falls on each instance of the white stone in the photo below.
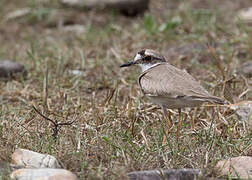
(77, 28)
(243, 110)
(43, 174)
(237, 166)
(245, 15)
(17, 14)
(71, 2)
(31, 159)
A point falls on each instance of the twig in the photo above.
(56, 125)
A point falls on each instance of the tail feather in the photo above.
(211, 99)
(216, 100)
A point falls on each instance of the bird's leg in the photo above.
(168, 123)
(179, 125)
(167, 119)
(192, 121)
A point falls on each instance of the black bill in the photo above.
(127, 64)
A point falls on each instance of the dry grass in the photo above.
(117, 130)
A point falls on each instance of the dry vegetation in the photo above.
(117, 130)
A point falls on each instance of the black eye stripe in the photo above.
(147, 58)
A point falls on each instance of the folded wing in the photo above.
(165, 80)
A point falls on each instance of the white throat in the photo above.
(145, 67)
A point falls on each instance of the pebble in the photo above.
(31, 159)
(243, 110)
(168, 174)
(17, 14)
(237, 167)
(43, 174)
(125, 7)
(245, 15)
(10, 68)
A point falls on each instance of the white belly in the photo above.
(175, 103)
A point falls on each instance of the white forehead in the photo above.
(138, 56)
(149, 53)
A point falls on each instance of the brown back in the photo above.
(169, 81)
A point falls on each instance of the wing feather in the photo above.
(169, 81)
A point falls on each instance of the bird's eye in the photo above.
(147, 58)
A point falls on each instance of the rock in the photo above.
(245, 69)
(237, 167)
(169, 174)
(9, 69)
(31, 159)
(126, 7)
(43, 174)
(17, 14)
(76, 28)
(245, 15)
(76, 72)
(243, 110)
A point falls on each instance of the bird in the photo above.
(168, 86)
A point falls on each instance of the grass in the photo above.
(117, 130)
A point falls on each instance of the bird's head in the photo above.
(146, 59)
